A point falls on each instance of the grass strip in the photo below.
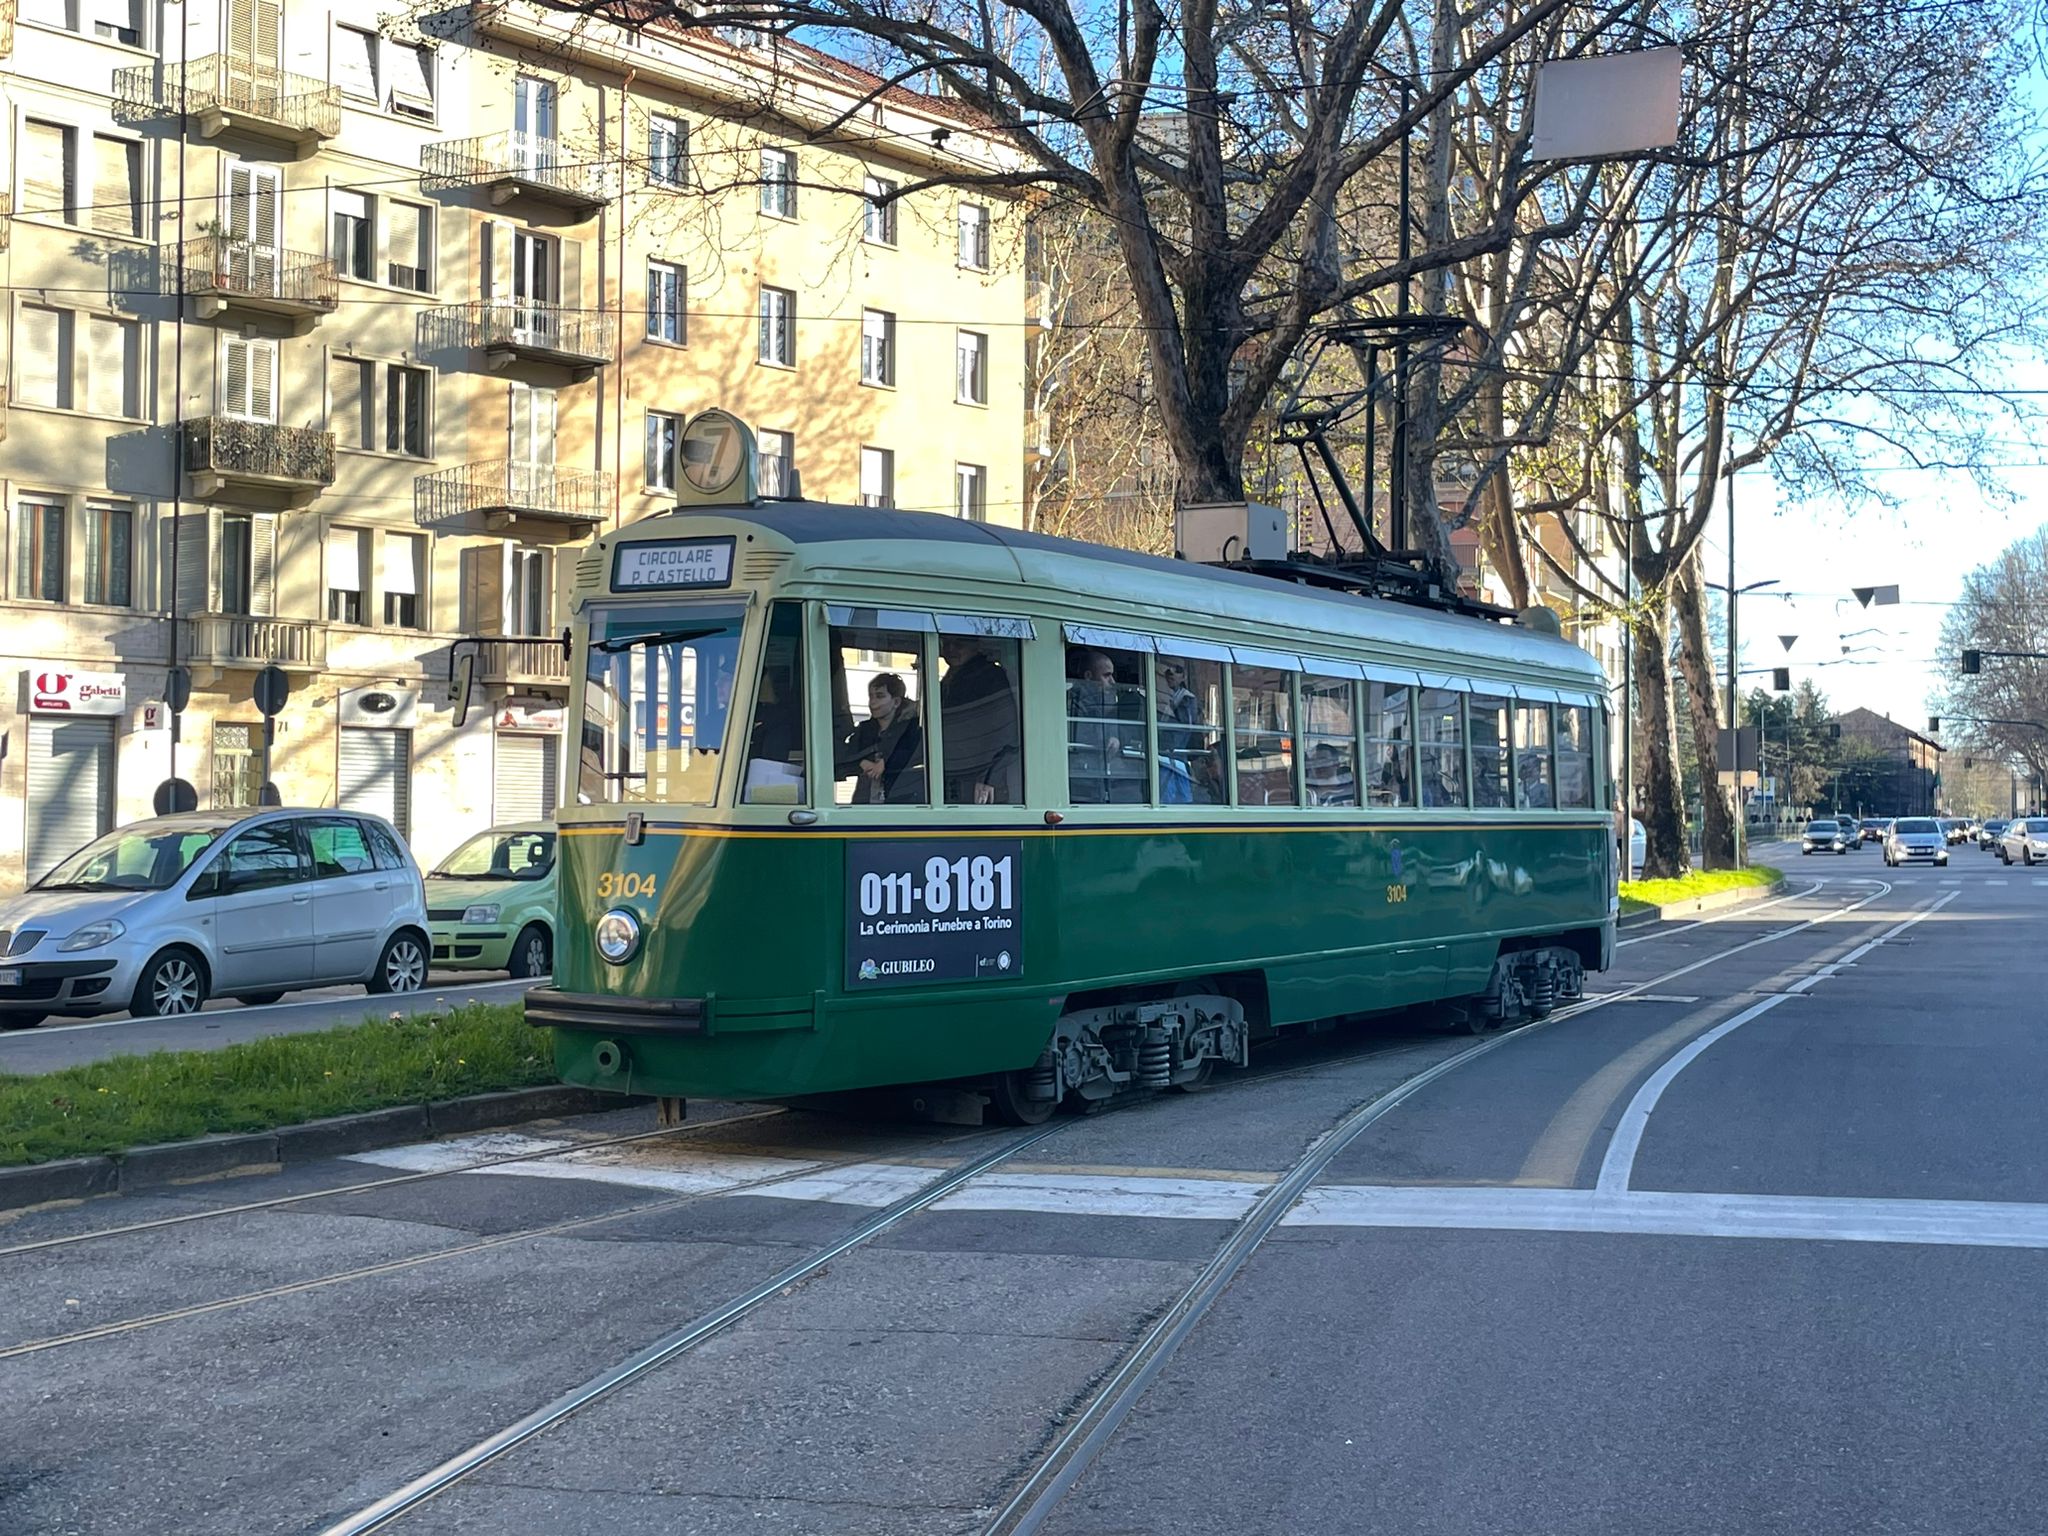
(132, 1101)
(1637, 895)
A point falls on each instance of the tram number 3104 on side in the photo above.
(979, 884)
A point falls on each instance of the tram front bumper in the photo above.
(603, 1013)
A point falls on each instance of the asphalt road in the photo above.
(72, 1042)
(1753, 1244)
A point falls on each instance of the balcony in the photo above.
(256, 462)
(221, 92)
(536, 501)
(519, 331)
(519, 165)
(524, 663)
(223, 276)
(239, 641)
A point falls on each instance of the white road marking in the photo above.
(1733, 912)
(674, 1169)
(377, 1003)
(874, 1185)
(1619, 1164)
(1084, 1194)
(1961, 1223)
(1657, 997)
(1951, 882)
(1998, 880)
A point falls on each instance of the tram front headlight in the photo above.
(618, 935)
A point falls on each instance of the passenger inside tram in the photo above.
(983, 729)
(884, 754)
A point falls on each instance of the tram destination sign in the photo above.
(937, 909)
(664, 565)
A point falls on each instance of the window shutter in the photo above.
(486, 584)
(569, 288)
(193, 531)
(116, 170)
(234, 380)
(263, 185)
(46, 171)
(344, 560)
(263, 565)
(262, 380)
(355, 62)
(38, 353)
(519, 412)
(345, 402)
(543, 426)
(241, 210)
(269, 24)
(496, 250)
(398, 567)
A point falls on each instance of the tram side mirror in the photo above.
(458, 685)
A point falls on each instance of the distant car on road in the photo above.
(2025, 840)
(1874, 828)
(491, 903)
(1990, 834)
(161, 915)
(1913, 839)
(1955, 829)
(1852, 830)
(1824, 836)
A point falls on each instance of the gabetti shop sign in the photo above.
(58, 690)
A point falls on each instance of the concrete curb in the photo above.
(173, 1162)
(1714, 901)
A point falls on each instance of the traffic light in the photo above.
(1781, 679)
(1933, 724)
(1972, 663)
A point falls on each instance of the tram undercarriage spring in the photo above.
(1155, 1060)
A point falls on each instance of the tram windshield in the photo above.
(657, 691)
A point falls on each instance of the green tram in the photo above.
(866, 798)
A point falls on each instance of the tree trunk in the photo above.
(1703, 699)
(1658, 785)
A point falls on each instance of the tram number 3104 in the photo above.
(966, 885)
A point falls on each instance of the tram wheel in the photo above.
(1009, 1097)
(1203, 1074)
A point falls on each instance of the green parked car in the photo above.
(491, 903)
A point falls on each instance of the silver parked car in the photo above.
(1913, 838)
(161, 915)
(2025, 840)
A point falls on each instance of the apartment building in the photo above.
(328, 339)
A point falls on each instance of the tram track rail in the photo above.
(1118, 1394)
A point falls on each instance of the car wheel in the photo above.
(170, 986)
(259, 999)
(532, 952)
(1804, 852)
(21, 1020)
(402, 967)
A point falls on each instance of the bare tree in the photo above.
(2003, 709)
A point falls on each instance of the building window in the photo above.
(971, 381)
(347, 559)
(877, 477)
(110, 383)
(668, 151)
(777, 454)
(778, 327)
(42, 354)
(237, 563)
(354, 236)
(234, 765)
(665, 290)
(355, 63)
(352, 415)
(39, 550)
(405, 411)
(527, 605)
(974, 236)
(116, 185)
(49, 174)
(411, 67)
(663, 431)
(248, 379)
(970, 492)
(877, 347)
(400, 578)
(408, 238)
(110, 553)
(880, 227)
(778, 183)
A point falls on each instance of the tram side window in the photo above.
(1574, 757)
(1440, 736)
(982, 720)
(1492, 783)
(1390, 749)
(775, 742)
(878, 691)
(657, 689)
(1263, 706)
(1190, 704)
(1106, 708)
(1329, 721)
(1534, 786)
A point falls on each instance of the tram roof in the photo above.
(1037, 559)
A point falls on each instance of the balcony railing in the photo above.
(223, 273)
(577, 339)
(241, 640)
(498, 493)
(222, 91)
(225, 453)
(525, 661)
(518, 164)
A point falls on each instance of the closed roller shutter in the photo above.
(525, 778)
(70, 787)
(376, 775)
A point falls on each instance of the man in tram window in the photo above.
(884, 754)
(1093, 746)
(1534, 788)
(983, 734)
